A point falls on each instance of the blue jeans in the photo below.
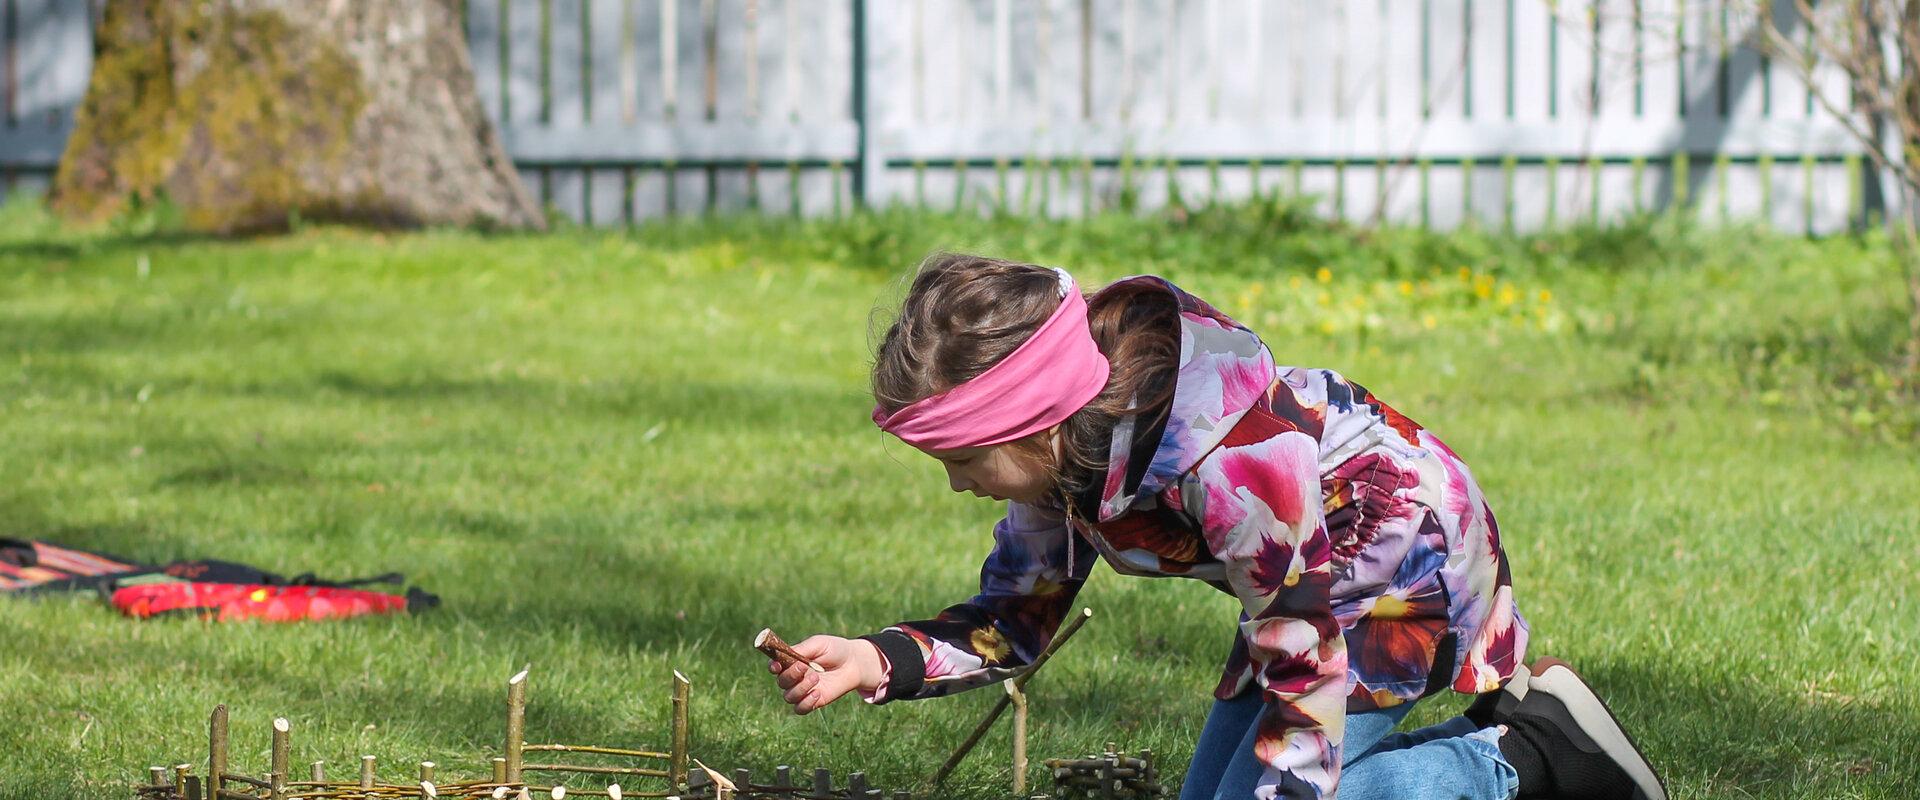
(1450, 760)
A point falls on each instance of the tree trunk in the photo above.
(246, 113)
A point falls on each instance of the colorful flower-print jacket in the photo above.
(1367, 565)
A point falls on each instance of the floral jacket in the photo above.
(1365, 560)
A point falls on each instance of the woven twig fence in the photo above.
(512, 776)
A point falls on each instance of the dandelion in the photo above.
(1466, 274)
(1406, 288)
(1324, 275)
(1429, 322)
(1326, 326)
(1508, 295)
(1323, 298)
(1546, 296)
(1483, 290)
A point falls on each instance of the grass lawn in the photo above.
(614, 454)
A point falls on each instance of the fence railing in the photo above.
(1511, 113)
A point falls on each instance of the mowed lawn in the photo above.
(616, 454)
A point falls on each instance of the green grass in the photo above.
(616, 454)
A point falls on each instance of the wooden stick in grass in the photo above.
(216, 750)
(770, 643)
(277, 772)
(1060, 637)
(677, 758)
(516, 723)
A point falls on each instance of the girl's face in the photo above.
(1002, 472)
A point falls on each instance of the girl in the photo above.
(1142, 427)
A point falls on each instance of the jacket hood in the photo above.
(1224, 370)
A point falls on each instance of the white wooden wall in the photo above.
(1503, 113)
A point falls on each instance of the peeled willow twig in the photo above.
(642, 771)
(516, 723)
(582, 748)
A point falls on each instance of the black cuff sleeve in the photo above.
(906, 668)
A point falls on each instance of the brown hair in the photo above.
(964, 313)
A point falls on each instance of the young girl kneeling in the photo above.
(1141, 426)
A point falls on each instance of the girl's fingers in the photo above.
(792, 675)
(801, 688)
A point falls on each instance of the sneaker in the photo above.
(1565, 742)
(1493, 708)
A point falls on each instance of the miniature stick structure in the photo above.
(777, 649)
(671, 767)
(1109, 776)
(1019, 683)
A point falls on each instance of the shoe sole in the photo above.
(1558, 679)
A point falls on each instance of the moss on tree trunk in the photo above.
(246, 112)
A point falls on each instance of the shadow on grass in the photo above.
(1706, 733)
(108, 244)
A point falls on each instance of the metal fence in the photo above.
(1504, 113)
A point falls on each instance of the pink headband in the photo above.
(1049, 376)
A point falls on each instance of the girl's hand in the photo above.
(849, 663)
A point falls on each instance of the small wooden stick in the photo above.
(516, 723)
(677, 760)
(366, 772)
(1060, 637)
(277, 773)
(721, 785)
(770, 643)
(216, 750)
(1019, 737)
(319, 772)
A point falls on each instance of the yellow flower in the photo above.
(1427, 321)
(1546, 296)
(1406, 288)
(1466, 274)
(1483, 290)
(1295, 282)
(1508, 294)
(1324, 275)
(1323, 298)
(1326, 326)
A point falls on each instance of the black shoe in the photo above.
(1564, 742)
(1493, 708)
